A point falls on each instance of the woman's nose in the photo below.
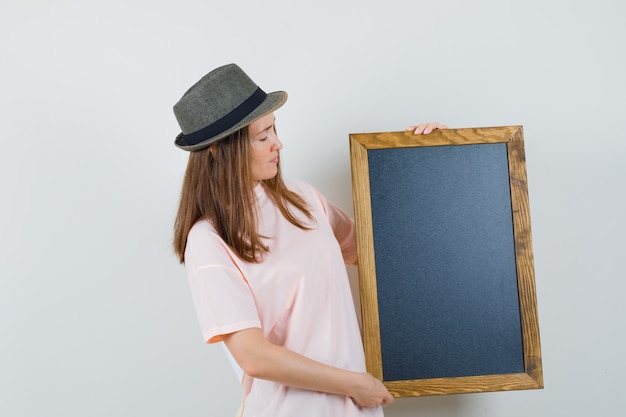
(277, 145)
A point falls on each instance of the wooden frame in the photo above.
(531, 376)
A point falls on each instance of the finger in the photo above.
(387, 400)
(425, 128)
(419, 129)
(434, 126)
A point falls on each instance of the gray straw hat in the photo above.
(222, 102)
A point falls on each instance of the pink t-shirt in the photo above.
(299, 296)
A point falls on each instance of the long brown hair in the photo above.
(218, 187)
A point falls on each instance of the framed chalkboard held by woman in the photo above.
(446, 274)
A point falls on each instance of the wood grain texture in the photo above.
(467, 136)
(532, 378)
(366, 266)
(461, 385)
(524, 257)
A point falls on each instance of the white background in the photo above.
(95, 314)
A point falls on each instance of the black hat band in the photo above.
(227, 121)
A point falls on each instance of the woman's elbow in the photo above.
(253, 369)
(248, 350)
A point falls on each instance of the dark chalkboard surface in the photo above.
(449, 243)
(445, 263)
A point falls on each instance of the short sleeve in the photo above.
(343, 228)
(222, 298)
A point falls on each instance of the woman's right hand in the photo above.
(370, 392)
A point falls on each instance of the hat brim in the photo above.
(272, 102)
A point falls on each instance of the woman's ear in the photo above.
(212, 150)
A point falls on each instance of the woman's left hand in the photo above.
(425, 128)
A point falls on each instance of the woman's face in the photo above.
(264, 146)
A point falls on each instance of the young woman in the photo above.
(266, 258)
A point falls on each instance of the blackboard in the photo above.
(445, 261)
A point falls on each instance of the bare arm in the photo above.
(261, 359)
